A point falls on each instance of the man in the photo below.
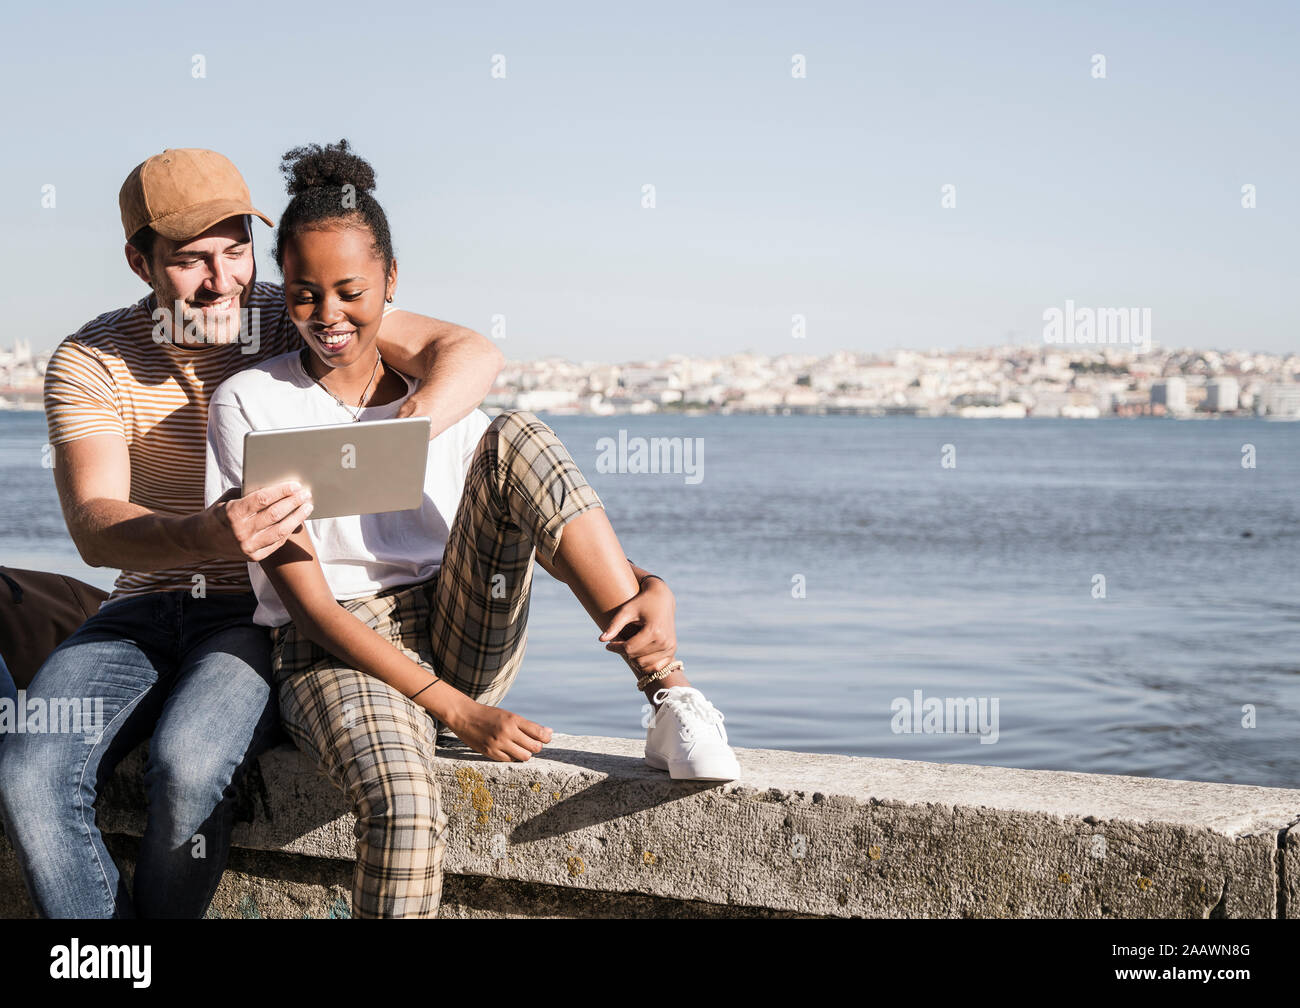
(173, 653)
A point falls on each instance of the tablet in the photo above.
(351, 468)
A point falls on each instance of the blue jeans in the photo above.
(8, 691)
(193, 673)
(7, 688)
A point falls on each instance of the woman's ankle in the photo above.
(677, 678)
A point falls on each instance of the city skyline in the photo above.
(1004, 381)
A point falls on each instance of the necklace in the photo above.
(356, 417)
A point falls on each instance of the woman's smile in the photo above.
(334, 341)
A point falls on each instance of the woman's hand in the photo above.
(500, 735)
(643, 629)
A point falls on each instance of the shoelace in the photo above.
(692, 709)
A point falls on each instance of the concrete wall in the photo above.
(589, 830)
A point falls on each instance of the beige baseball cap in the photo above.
(181, 193)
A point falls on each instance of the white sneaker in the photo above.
(686, 737)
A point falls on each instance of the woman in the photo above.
(385, 626)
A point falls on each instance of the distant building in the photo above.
(1221, 395)
(1171, 393)
(545, 400)
(1049, 402)
(1279, 400)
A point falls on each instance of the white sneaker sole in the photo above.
(717, 768)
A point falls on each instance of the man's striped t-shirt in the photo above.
(114, 377)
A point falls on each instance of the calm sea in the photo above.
(828, 568)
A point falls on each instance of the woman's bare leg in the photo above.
(592, 563)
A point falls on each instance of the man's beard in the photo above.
(189, 326)
(221, 328)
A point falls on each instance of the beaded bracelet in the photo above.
(669, 669)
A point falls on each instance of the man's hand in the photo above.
(500, 735)
(253, 527)
(643, 630)
(456, 366)
(93, 477)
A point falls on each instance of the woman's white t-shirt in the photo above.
(359, 554)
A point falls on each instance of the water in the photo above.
(973, 581)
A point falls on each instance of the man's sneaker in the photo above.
(687, 739)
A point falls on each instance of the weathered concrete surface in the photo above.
(259, 884)
(590, 830)
(1289, 873)
(14, 901)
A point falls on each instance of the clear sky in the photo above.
(775, 195)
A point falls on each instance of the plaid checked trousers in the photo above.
(467, 625)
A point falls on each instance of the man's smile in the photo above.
(218, 307)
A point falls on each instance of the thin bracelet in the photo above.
(640, 582)
(419, 691)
